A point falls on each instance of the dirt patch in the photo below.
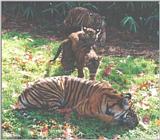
(119, 43)
(124, 43)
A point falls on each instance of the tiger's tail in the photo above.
(48, 65)
(57, 54)
(22, 111)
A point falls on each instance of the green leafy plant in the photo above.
(129, 22)
(28, 12)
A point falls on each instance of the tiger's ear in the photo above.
(81, 28)
(99, 58)
(84, 29)
(103, 17)
(126, 100)
(127, 95)
(91, 14)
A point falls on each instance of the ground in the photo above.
(26, 49)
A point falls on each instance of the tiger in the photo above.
(78, 17)
(79, 49)
(66, 94)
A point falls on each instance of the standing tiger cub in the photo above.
(86, 97)
(79, 49)
(78, 17)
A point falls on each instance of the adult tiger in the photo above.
(79, 16)
(79, 49)
(86, 97)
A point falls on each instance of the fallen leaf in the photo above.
(44, 131)
(133, 89)
(30, 39)
(15, 37)
(144, 105)
(4, 85)
(141, 74)
(153, 91)
(116, 137)
(67, 132)
(145, 85)
(108, 70)
(157, 122)
(33, 132)
(102, 138)
(119, 72)
(146, 119)
(6, 126)
(15, 95)
(41, 123)
(28, 56)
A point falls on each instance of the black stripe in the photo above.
(81, 91)
(76, 96)
(20, 99)
(29, 102)
(69, 91)
(35, 97)
(85, 93)
(99, 108)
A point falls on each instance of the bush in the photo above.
(134, 16)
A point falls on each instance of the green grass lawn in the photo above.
(24, 59)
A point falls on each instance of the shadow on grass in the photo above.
(89, 128)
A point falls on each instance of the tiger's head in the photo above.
(121, 109)
(89, 35)
(96, 21)
(129, 119)
(92, 61)
(117, 106)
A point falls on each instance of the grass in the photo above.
(24, 59)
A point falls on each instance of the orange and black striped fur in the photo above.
(79, 49)
(86, 97)
(78, 17)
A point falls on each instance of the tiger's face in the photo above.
(117, 105)
(90, 35)
(120, 109)
(129, 119)
(96, 20)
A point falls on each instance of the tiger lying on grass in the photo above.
(79, 49)
(86, 97)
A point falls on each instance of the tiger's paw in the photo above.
(67, 117)
(64, 110)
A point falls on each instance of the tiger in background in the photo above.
(65, 94)
(80, 48)
(78, 17)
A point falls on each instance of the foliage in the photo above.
(24, 62)
(130, 21)
(135, 16)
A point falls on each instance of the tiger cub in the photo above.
(86, 97)
(78, 17)
(79, 49)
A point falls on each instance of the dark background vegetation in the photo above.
(142, 17)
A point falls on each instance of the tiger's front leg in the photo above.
(66, 112)
(80, 72)
(106, 118)
(85, 108)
